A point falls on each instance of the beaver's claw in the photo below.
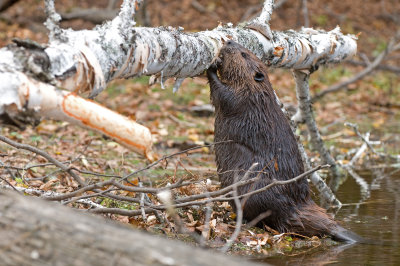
(215, 64)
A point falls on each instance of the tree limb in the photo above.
(391, 46)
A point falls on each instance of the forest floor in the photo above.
(372, 103)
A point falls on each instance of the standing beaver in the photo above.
(248, 115)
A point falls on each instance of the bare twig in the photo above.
(111, 4)
(206, 229)
(166, 197)
(224, 191)
(259, 218)
(261, 23)
(8, 170)
(368, 143)
(181, 122)
(123, 212)
(364, 187)
(266, 12)
(283, 182)
(249, 12)
(392, 46)
(164, 158)
(108, 195)
(279, 4)
(227, 196)
(305, 14)
(153, 208)
(94, 15)
(80, 191)
(199, 7)
(5, 180)
(45, 155)
(25, 168)
(53, 20)
(44, 194)
(358, 154)
(94, 173)
(142, 203)
(253, 9)
(239, 214)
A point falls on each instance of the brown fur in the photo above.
(248, 115)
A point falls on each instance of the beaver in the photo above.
(251, 128)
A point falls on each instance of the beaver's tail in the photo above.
(343, 235)
(312, 220)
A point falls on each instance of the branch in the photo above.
(94, 15)
(283, 182)
(368, 143)
(52, 22)
(364, 187)
(318, 182)
(305, 13)
(226, 198)
(266, 12)
(46, 156)
(305, 114)
(239, 216)
(164, 158)
(153, 208)
(390, 68)
(392, 46)
(50, 194)
(80, 191)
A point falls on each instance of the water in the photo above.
(376, 218)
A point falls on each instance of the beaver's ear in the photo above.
(259, 77)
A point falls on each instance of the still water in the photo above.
(373, 214)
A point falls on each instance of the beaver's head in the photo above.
(241, 69)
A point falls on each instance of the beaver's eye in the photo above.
(259, 77)
(244, 55)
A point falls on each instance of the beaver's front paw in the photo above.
(215, 64)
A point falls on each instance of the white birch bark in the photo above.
(85, 61)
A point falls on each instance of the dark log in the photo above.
(4, 4)
(37, 232)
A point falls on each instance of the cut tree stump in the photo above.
(37, 232)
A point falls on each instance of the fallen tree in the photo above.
(35, 232)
